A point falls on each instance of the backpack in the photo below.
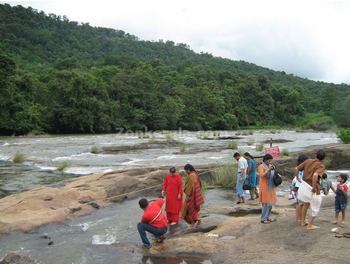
(246, 184)
(277, 179)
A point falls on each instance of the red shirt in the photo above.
(343, 187)
(153, 214)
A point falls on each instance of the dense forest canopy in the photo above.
(61, 76)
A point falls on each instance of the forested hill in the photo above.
(60, 76)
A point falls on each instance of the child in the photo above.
(294, 189)
(341, 197)
(326, 184)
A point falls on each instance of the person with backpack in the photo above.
(313, 170)
(251, 171)
(267, 188)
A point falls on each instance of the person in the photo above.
(153, 220)
(172, 190)
(294, 188)
(194, 198)
(241, 175)
(313, 170)
(251, 172)
(326, 184)
(267, 197)
(341, 197)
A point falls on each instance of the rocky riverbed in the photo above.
(238, 237)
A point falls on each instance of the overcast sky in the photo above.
(308, 38)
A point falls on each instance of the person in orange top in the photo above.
(153, 220)
(172, 190)
(267, 188)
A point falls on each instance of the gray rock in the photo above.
(74, 209)
(244, 211)
(94, 205)
(13, 258)
(227, 238)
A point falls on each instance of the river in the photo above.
(44, 154)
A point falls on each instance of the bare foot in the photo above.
(343, 222)
(312, 227)
(196, 224)
(334, 222)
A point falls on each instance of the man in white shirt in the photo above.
(242, 166)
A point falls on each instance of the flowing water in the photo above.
(97, 238)
(43, 154)
(107, 236)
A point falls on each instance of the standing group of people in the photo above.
(153, 219)
(309, 182)
(251, 175)
(246, 176)
(310, 179)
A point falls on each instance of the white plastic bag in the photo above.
(315, 204)
(305, 192)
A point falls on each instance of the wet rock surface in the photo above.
(13, 258)
(27, 210)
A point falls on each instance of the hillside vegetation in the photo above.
(61, 76)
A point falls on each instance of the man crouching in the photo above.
(152, 221)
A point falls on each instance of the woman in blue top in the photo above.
(251, 172)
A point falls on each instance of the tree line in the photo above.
(60, 76)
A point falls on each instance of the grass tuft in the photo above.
(182, 147)
(233, 145)
(94, 149)
(285, 152)
(225, 176)
(259, 147)
(18, 158)
(62, 166)
(169, 137)
(250, 142)
(344, 135)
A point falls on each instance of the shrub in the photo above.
(169, 137)
(61, 166)
(204, 187)
(259, 147)
(94, 149)
(233, 144)
(319, 122)
(182, 147)
(344, 135)
(285, 152)
(152, 140)
(225, 176)
(250, 142)
(18, 158)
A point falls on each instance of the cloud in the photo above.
(306, 38)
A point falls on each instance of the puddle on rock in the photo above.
(175, 260)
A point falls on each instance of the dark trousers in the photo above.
(142, 228)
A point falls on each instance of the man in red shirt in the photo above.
(152, 221)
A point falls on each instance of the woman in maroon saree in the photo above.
(194, 198)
